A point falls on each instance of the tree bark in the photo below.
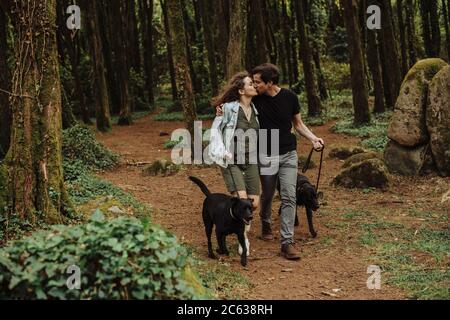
(170, 61)
(446, 14)
(209, 44)
(237, 37)
(287, 41)
(435, 27)
(373, 60)
(5, 84)
(102, 113)
(390, 54)
(146, 17)
(359, 89)
(411, 33)
(182, 75)
(314, 104)
(223, 24)
(260, 32)
(402, 31)
(34, 160)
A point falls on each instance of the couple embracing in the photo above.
(251, 104)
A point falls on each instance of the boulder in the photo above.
(345, 152)
(357, 158)
(408, 124)
(408, 161)
(365, 174)
(438, 120)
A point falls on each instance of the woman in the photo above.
(239, 170)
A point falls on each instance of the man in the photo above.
(279, 109)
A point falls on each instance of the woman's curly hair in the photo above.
(230, 92)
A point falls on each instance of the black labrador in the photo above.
(307, 197)
(230, 215)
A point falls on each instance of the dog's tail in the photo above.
(201, 185)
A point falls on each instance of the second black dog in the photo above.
(229, 214)
(306, 197)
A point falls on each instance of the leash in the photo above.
(308, 161)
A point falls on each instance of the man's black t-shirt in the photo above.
(277, 113)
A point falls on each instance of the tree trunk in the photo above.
(260, 32)
(223, 24)
(237, 36)
(34, 160)
(102, 112)
(411, 33)
(402, 31)
(435, 27)
(182, 75)
(373, 60)
(5, 84)
(359, 89)
(287, 41)
(314, 104)
(390, 54)
(146, 17)
(120, 12)
(169, 52)
(446, 14)
(426, 28)
(209, 44)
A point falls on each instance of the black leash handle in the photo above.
(308, 161)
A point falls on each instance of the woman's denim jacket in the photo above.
(222, 132)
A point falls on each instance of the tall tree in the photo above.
(101, 94)
(373, 60)
(170, 61)
(287, 41)
(446, 15)
(402, 32)
(430, 27)
(411, 33)
(5, 84)
(209, 44)
(237, 37)
(359, 89)
(120, 12)
(259, 29)
(146, 17)
(314, 104)
(34, 161)
(182, 75)
(391, 64)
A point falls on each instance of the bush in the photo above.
(122, 258)
(80, 148)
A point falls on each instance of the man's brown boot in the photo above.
(266, 234)
(289, 252)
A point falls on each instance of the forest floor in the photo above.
(356, 228)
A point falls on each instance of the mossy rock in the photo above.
(344, 152)
(408, 161)
(369, 173)
(408, 125)
(161, 167)
(302, 162)
(438, 120)
(104, 204)
(357, 158)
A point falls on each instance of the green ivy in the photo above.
(124, 258)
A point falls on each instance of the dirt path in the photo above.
(334, 260)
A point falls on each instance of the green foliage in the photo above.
(122, 258)
(374, 134)
(338, 45)
(137, 88)
(80, 148)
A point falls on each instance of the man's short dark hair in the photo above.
(268, 72)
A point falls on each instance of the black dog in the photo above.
(231, 215)
(306, 196)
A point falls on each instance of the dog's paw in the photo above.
(314, 234)
(244, 261)
(247, 243)
(212, 256)
(223, 252)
